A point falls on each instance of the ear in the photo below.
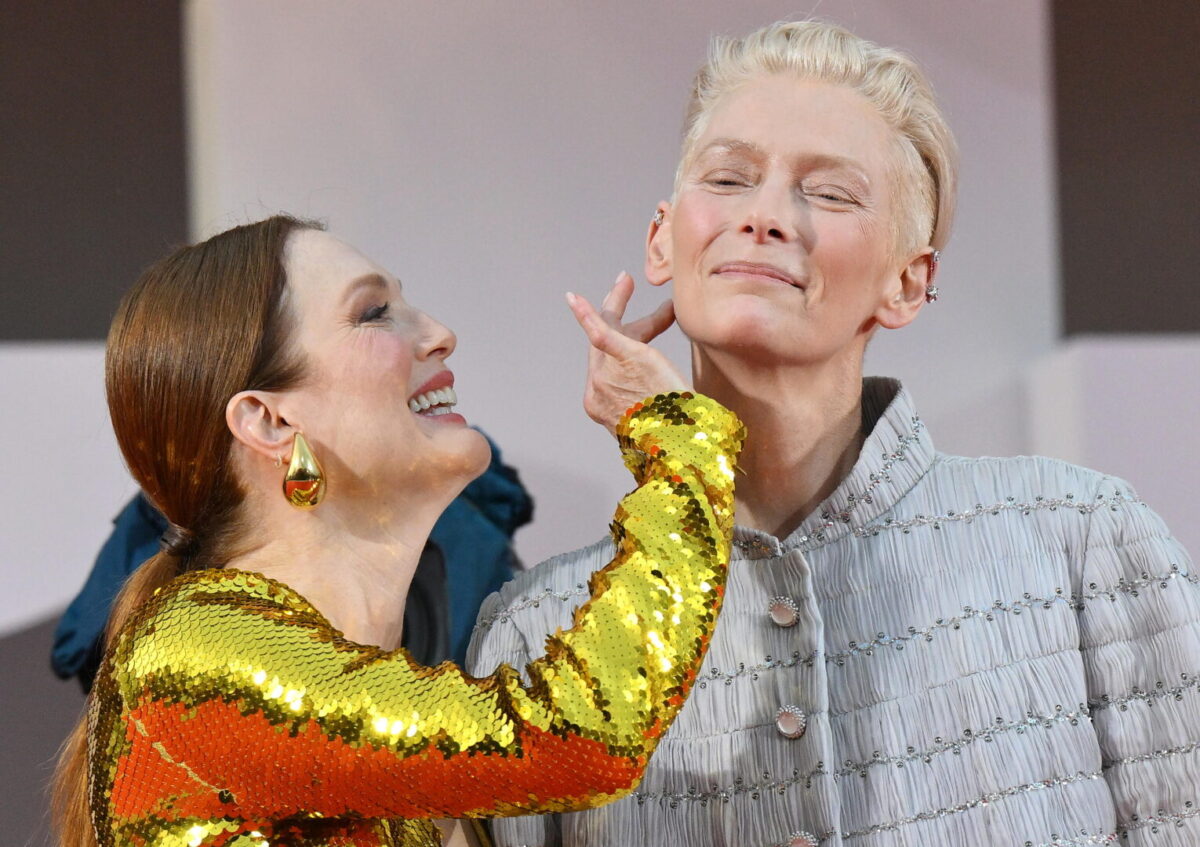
(905, 295)
(658, 246)
(254, 419)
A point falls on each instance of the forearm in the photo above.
(364, 732)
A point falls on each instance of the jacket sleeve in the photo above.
(1140, 634)
(255, 698)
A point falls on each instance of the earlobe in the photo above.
(658, 246)
(253, 420)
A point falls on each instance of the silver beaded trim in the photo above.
(1028, 602)
(757, 545)
(768, 664)
(1161, 818)
(1010, 504)
(1082, 840)
(968, 737)
(740, 788)
(1053, 782)
(534, 601)
(1015, 607)
(1165, 753)
(756, 790)
(816, 839)
(1132, 586)
(1161, 691)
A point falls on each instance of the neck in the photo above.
(805, 431)
(354, 561)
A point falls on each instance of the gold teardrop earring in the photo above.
(304, 482)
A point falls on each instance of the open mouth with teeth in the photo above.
(434, 403)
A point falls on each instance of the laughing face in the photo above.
(378, 401)
(780, 241)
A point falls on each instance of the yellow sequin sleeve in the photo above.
(230, 712)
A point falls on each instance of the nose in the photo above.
(767, 215)
(436, 340)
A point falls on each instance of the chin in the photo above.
(745, 332)
(476, 455)
(483, 455)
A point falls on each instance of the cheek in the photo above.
(850, 254)
(697, 221)
(373, 367)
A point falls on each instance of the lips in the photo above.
(759, 269)
(442, 379)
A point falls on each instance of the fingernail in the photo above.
(571, 298)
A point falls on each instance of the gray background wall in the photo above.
(92, 150)
(495, 157)
(1127, 94)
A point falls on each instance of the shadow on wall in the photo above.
(38, 711)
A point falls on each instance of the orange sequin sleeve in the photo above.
(229, 704)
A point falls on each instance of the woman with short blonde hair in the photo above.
(916, 649)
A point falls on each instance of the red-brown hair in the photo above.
(208, 321)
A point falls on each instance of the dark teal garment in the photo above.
(469, 556)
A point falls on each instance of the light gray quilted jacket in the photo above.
(984, 652)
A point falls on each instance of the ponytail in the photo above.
(208, 321)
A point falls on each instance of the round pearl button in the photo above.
(783, 611)
(791, 722)
(803, 839)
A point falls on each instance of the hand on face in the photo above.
(623, 368)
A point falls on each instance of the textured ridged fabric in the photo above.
(230, 713)
(987, 652)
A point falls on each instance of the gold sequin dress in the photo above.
(230, 713)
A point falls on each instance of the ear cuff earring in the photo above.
(659, 217)
(931, 290)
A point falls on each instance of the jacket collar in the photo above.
(897, 453)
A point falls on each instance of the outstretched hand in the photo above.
(623, 368)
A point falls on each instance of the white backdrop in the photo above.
(496, 155)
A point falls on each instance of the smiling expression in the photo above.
(377, 395)
(780, 240)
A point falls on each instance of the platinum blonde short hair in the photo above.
(925, 179)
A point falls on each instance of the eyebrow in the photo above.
(816, 160)
(733, 145)
(368, 280)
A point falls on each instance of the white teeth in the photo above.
(437, 402)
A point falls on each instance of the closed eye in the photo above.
(726, 179)
(375, 313)
(830, 193)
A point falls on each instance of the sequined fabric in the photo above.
(229, 712)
